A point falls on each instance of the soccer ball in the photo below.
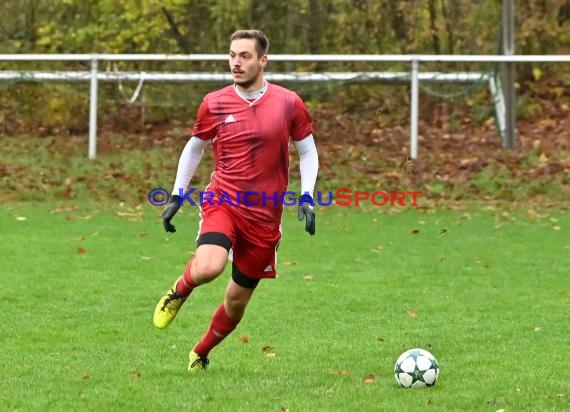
(416, 368)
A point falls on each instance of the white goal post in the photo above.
(413, 77)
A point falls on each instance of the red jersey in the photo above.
(251, 147)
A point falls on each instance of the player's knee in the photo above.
(206, 270)
(235, 305)
(237, 301)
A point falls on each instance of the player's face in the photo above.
(246, 66)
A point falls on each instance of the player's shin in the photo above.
(220, 327)
(185, 284)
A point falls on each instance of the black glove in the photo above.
(305, 209)
(169, 212)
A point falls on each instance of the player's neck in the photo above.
(254, 87)
(253, 95)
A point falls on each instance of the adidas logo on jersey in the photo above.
(230, 119)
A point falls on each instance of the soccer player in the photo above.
(250, 124)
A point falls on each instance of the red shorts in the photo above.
(253, 245)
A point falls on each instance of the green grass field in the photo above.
(486, 290)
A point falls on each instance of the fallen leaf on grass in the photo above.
(412, 313)
(64, 209)
(415, 231)
(506, 216)
(81, 250)
(338, 372)
(133, 217)
(395, 211)
(309, 277)
(136, 374)
(289, 263)
(268, 350)
(21, 218)
(369, 379)
(244, 339)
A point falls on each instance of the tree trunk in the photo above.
(433, 27)
(314, 31)
(448, 28)
(178, 36)
(399, 24)
(564, 13)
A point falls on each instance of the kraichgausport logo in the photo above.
(342, 197)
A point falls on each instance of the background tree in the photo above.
(294, 26)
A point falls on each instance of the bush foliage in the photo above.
(294, 26)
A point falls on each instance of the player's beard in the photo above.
(246, 83)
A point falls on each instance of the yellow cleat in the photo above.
(197, 362)
(167, 308)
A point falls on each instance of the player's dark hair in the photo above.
(261, 40)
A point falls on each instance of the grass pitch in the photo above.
(485, 290)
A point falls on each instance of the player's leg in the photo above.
(207, 264)
(215, 239)
(254, 256)
(226, 318)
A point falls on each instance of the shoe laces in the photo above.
(170, 298)
(200, 360)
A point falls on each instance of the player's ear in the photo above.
(263, 61)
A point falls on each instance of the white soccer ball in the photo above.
(416, 368)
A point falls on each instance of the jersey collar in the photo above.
(252, 97)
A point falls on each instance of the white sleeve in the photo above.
(308, 163)
(188, 163)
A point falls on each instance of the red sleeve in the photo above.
(301, 125)
(205, 125)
